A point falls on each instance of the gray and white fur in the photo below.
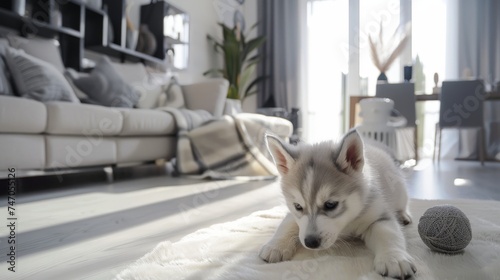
(340, 189)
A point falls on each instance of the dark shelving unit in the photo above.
(48, 18)
(109, 34)
(157, 12)
(79, 27)
(96, 27)
(123, 53)
(116, 14)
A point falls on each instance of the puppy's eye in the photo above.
(297, 207)
(330, 205)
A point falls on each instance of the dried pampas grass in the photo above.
(384, 55)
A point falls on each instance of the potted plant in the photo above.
(238, 65)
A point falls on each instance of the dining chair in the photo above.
(461, 107)
(403, 95)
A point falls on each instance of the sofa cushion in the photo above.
(79, 151)
(37, 79)
(107, 87)
(209, 95)
(139, 122)
(149, 96)
(29, 151)
(41, 48)
(82, 119)
(139, 149)
(21, 115)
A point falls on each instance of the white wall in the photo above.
(203, 21)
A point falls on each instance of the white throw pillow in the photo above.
(149, 96)
(172, 96)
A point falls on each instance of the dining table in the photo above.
(491, 117)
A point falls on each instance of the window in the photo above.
(327, 29)
(328, 49)
(429, 32)
(429, 42)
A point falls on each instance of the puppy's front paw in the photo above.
(397, 265)
(273, 252)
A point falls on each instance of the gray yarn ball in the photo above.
(445, 229)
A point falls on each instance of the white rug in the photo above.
(229, 251)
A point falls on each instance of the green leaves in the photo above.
(252, 45)
(213, 71)
(238, 68)
(232, 92)
(218, 47)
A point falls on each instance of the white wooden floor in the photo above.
(94, 231)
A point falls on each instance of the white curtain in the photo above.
(479, 38)
(280, 22)
(474, 41)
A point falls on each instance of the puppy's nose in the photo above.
(312, 241)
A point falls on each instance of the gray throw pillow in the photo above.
(136, 75)
(105, 86)
(37, 79)
(71, 75)
(5, 79)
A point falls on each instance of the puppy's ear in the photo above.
(350, 158)
(283, 154)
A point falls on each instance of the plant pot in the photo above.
(232, 107)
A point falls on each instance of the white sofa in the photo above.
(57, 135)
(62, 135)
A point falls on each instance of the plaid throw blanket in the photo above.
(228, 147)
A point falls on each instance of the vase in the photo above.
(232, 107)
(407, 73)
(382, 78)
(146, 43)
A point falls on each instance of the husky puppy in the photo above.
(335, 190)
